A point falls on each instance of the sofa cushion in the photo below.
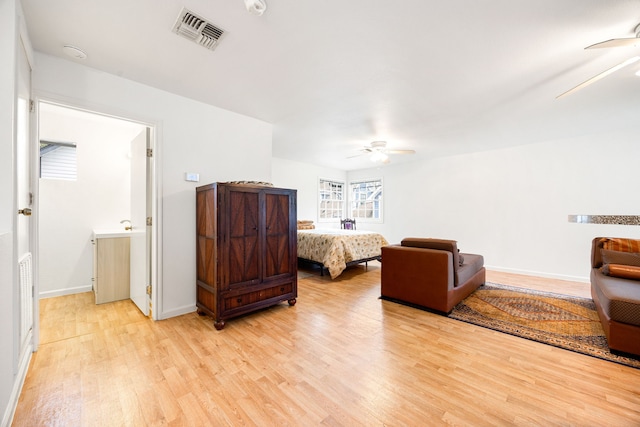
(624, 271)
(618, 257)
(472, 264)
(621, 244)
(438, 244)
(599, 243)
(619, 298)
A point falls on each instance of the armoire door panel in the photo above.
(244, 260)
(277, 257)
(277, 234)
(244, 213)
(277, 213)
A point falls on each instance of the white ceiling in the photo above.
(440, 77)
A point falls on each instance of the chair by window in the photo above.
(348, 224)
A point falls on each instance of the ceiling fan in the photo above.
(622, 42)
(378, 152)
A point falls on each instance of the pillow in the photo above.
(622, 271)
(618, 257)
(621, 245)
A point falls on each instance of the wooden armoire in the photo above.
(246, 249)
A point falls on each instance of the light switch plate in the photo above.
(193, 177)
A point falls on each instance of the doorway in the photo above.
(98, 180)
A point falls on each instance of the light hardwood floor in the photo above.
(339, 357)
(566, 287)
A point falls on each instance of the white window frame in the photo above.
(337, 211)
(379, 200)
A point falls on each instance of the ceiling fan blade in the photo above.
(400, 151)
(600, 76)
(633, 41)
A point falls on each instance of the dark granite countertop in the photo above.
(606, 219)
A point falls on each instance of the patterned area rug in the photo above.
(560, 320)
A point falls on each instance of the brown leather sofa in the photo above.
(429, 273)
(617, 301)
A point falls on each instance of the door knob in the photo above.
(25, 212)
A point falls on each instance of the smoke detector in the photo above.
(197, 29)
(74, 52)
(255, 7)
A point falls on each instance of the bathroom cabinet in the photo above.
(246, 249)
(111, 267)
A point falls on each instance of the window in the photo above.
(58, 160)
(331, 203)
(365, 200)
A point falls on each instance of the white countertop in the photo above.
(111, 233)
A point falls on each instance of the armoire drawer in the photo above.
(257, 296)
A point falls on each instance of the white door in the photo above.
(24, 200)
(141, 232)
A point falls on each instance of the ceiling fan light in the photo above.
(378, 156)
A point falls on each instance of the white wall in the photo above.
(304, 178)
(98, 199)
(511, 205)
(192, 137)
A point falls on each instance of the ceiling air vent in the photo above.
(197, 29)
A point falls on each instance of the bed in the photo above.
(335, 249)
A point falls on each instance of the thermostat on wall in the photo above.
(193, 177)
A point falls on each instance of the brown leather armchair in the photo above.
(429, 273)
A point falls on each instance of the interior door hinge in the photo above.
(149, 290)
(149, 152)
(149, 221)
(32, 106)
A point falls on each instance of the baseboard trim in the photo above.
(539, 274)
(177, 312)
(18, 382)
(63, 292)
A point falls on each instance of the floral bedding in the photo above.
(335, 248)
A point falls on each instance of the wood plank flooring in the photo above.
(566, 287)
(339, 357)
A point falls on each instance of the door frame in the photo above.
(23, 43)
(155, 190)
(20, 359)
